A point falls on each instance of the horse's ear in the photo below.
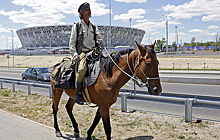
(153, 45)
(142, 49)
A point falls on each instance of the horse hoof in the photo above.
(58, 134)
(76, 135)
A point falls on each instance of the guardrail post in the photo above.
(1, 84)
(29, 89)
(134, 88)
(13, 86)
(188, 67)
(124, 102)
(50, 92)
(188, 109)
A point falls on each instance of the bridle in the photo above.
(137, 80)
(134, 77)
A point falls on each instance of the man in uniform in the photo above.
(83, 39)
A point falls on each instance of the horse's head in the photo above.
(147, 70)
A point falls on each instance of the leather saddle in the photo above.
(63, 75)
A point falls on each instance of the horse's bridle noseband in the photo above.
(137, 80)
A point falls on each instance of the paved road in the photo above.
(17, 128)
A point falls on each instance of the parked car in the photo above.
(37, 73)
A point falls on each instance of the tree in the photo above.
(160, 43)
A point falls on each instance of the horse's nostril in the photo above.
(155, 89)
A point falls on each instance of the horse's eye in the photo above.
(147, 64)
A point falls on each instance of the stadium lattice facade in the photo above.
(58, 36)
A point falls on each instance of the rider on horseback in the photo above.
(83, 39)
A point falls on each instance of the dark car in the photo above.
(37, 73)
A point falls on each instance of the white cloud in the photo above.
(9, 13)
(130, 1)
(206, 8)
(152, 26)
(143, 20)
(133, 13)
(211, 17)
(213, 27)
(201, 32)
(149, 26)
(195, 31)
(37, 18)
(50, 12)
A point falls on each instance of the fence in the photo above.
(187, 101)
(188, 66)
(127, 94)
(29, 84)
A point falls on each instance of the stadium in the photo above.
(58, 36)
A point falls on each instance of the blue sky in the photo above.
(193, 18)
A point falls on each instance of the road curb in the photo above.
(209, 81)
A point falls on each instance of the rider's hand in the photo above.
(76, 57)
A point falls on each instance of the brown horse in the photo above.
(116, 70)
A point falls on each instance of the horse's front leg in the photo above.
(69, 108)
(56, 100)
(104, 111)
(94, 124)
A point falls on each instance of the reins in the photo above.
(134, 77)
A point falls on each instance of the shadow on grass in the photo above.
(71, 137)
(141, 138)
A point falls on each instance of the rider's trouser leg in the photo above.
(82, 67)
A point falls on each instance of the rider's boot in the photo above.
(78, 96)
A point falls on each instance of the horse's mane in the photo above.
(107, 64)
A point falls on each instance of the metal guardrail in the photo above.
(29, 84)
(189, 102)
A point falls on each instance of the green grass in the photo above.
(181, 136)
(203, 125)
(6, 93)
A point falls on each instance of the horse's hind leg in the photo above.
(94, 124)
(56, 99)
(69, 107)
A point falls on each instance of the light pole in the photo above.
(130, 30)
(110, 24)
(7, 42)
(130, 21)
(12, 44)
(8, 60)
(166, 33)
